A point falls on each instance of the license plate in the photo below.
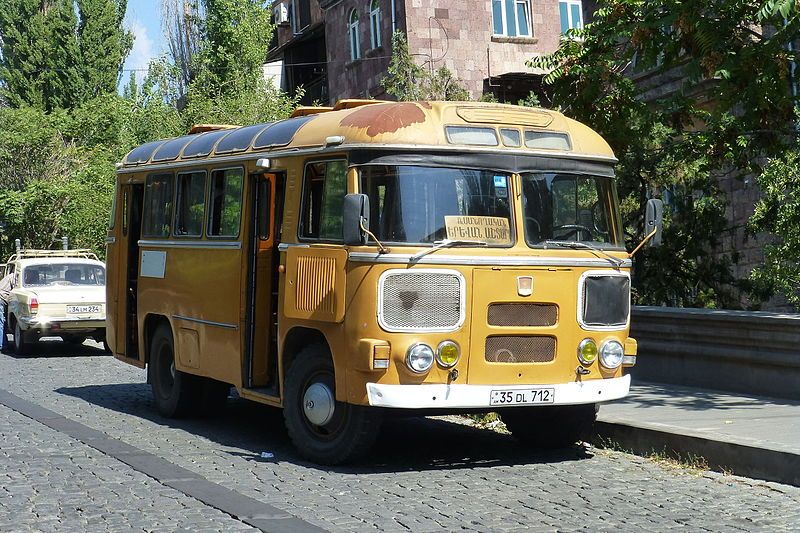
(82, 309)
(522, 396)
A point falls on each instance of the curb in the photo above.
(722, 456)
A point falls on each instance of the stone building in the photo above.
(339, 49)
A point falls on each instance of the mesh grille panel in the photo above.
(522, 315)
(606, 301)
(424, 300)
(520, 349)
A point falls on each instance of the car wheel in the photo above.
(21, 343)
(551, 427)
(174, 391)
(324, 430)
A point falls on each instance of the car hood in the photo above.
(69, 295)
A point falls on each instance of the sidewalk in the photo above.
(750, 436)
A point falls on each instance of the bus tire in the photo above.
(175, 392)
(551, 427)
(345, 432)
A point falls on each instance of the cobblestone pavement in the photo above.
(424, 475)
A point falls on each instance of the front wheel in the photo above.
(175, 392)
(551, 427)
(324, 430)
(21, 343)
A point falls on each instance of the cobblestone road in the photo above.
(425, 475)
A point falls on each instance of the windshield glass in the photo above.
(570, 207)
(63, 274)
(422, 205)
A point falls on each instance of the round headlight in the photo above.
(419, 358)
(611, 354)
(447, 353)
(587, 351)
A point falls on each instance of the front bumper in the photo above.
(56, 324)
(477, 396)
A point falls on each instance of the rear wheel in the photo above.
(324, 430)
(21, 340)
(174, 391)
(551, 427)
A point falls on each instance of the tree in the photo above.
(778, 212)
(64, 53)
(406, 80)
(730, 106)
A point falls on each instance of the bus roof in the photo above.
(369, 123)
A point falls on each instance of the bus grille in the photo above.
(606, 301)
(522, 315)
(520, 349)
(427, 301)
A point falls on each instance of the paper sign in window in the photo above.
(491, 230)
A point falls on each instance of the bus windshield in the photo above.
(570, 208)
(423, 205)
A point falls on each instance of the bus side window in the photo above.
(190, 202)
(264, 208)
(324, 188)
(226, 203)
(157, 205)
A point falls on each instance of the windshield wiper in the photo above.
(576, 245)
(447, 243)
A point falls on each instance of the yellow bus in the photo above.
(375, 256)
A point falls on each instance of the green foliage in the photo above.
(63, 54)
(728, 105)
(406, 80)
(532, 100)
(778, 212)
(66, 126)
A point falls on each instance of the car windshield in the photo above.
(571, 208)
(63, 274)
(423, 205)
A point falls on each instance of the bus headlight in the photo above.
(447, 353)
(419, 358)
(587, 351)
(611, 354)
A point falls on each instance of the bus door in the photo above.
(261, 364)
(127, 338)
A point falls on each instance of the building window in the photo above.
(375, 23)
(511, 18)
(571, 14)
(352, 32)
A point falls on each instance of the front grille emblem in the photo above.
(524, 285)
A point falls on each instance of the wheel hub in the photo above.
(318, 404)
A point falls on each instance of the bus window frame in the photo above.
(301, 212)
(147, 213)
(209, 200)
(206, 205)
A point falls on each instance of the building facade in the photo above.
(338, 49)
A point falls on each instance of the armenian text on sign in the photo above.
(491, 230)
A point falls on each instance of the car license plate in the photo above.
(522, 396)
(82, 309)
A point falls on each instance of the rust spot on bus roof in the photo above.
(387, 118)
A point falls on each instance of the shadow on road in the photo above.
(55, 347)
(405, 443)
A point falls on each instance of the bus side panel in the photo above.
(200, 294)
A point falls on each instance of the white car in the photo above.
(56, 293)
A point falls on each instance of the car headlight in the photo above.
(611, 354)
(419, 358)
(587, 351)
(447, 353)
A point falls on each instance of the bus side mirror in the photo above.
(355, 214)
(653, 220)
